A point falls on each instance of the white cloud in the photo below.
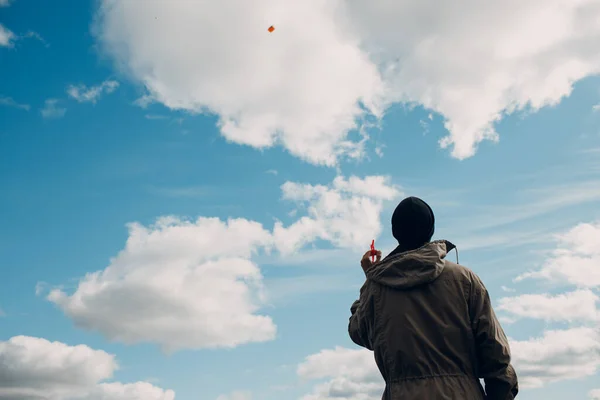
(594, 394)
(350, 375)
(84, 94)
(579, 305)
(52, 109)
(560, 354)
(307, 77)
(557, 355)
(7, 37)
(129, 391)
(507, 289)
(5, 3)
(237, 395)
(345, 213)
(35, 368)
(326, 58)
(526, 53)
(576, 259)
(596, 107)
(10, 102)
(178, 283)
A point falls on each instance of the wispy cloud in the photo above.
(8, 38)
(536, 202)
(593, 150)
(596, 107)
(84, 94)
(10, 102)
(501, 239)
(272, 171)
(35, 35)
(161, 117)
(425, 126)
(154, 116)
(284, 289)
(144, 101)
(51, 109)
(236, 395)
(40, 288)
(5, 3)
(312, 258)
(176, 192)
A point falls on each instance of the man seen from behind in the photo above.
(429, 321)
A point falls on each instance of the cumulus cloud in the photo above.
(310, 83)
(52, 109)
(331, 66)
(84, 94)
(35, 368)
(594, 394)
(7, 37)
(576, 306)
(570, 353)
(349, 374)
(192, 284)
(345, 213)
(182, 284)
(441, 55)
(557, 355)
(575, 261)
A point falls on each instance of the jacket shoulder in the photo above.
(459, 272)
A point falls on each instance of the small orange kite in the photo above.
(271, 28)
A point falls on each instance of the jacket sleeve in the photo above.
(360, 326)
(493, 351)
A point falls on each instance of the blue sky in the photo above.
(73, 179)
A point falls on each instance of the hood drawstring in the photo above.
(451, 246)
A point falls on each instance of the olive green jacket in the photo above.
(433, 331)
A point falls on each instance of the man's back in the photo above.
(432, 328)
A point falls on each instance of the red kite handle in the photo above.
(373, 251)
